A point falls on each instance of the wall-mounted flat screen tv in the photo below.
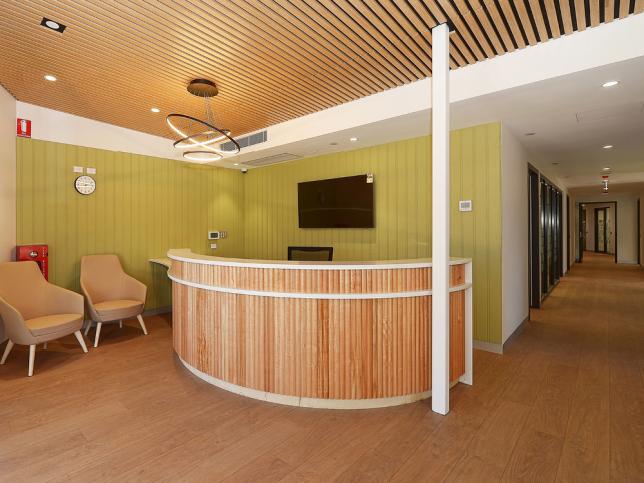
(336, 203)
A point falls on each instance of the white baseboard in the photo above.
(517, 330)
(488, 346)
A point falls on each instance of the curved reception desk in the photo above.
(342, 335)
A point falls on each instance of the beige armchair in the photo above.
(111, 294)
(35, 311)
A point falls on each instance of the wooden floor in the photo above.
(566, 402)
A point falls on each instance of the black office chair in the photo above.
(310, 254)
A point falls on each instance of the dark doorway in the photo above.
(582, 232)
(601, 230)
(546, 236)
(639, 234)
(568, 217)
(584, 226)
(534, 238)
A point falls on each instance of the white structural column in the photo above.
(440, 219)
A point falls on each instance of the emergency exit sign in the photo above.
(23, 128)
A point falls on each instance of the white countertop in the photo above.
(186, 255)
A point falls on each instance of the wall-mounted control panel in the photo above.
(217, 235)
(465, 205)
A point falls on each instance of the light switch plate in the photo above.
(78, 169)
(213, 246)
(91, 170)
(465, 205)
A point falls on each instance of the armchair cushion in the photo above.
(103, 279)
(25, 295)
(118, 309)
(54, 324)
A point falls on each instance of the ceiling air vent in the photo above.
(274, 159)
(257, 138)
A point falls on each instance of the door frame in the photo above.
(616, 205)
(555, 268)
(534, 237)
(568, 211)
(639, 234)
(596, 228)
(581, 232)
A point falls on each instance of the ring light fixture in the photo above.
(202, 137)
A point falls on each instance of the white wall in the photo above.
(60, 127)
(626, 223)
(515, 229)
(514, 232)
(7, 179)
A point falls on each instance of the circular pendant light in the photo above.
(202, 137)
(197, 133)
(202, 156)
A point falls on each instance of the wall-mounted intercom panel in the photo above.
(217, 235)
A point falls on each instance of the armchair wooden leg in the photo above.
(145, 331)
(81, 341)
(98, 333)
(32, 357)
(7, 350)
(120, 324)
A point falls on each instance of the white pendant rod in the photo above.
(440, 219)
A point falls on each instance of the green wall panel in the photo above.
(402, 172)
(142, 207)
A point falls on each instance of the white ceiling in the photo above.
(572, 117)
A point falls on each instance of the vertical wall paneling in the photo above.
(142, 207)
(402, 172)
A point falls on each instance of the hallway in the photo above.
(565, 402)
(582, 373)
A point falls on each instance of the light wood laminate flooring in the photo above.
(565, 402)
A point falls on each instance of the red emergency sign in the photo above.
(23, 128)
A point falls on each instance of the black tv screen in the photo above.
(336, 203)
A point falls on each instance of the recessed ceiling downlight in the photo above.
(52, 25)
(50, 78)
(610, 83)
(607, 168)
(155, 109)
(608, 146)
(353, 140)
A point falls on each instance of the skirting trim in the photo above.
(308, 402)
(487, 346)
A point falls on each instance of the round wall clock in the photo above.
(85, 185)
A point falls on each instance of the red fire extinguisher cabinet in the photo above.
(37, 253)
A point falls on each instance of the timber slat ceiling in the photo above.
(273, 60)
